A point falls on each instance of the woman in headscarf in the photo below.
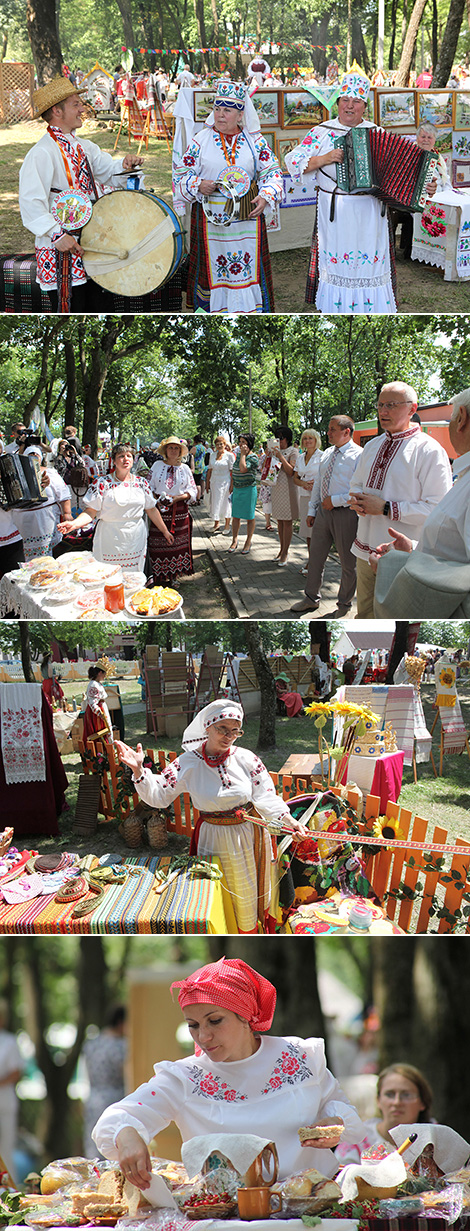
(229, 786)
(230, 269)
(239, 1081)
(173, 485)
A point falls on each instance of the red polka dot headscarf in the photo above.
(231, 984)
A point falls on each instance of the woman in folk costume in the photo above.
(97, 718)
(239, 1080)
(352, 264)
(230, 269)
(226, 784)
(118, 501)
(173, 484)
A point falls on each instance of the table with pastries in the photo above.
(72, 587)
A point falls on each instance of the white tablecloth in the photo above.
(450, 248)
(31, 604)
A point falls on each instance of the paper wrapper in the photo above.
(451, 1151)
(388, 1173)
(240, 1149)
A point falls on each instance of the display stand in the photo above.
(135, 126)
(442, 748)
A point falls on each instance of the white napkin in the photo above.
(450, 1150)
(159, 1194)
(387, 1173)
(241, 1150)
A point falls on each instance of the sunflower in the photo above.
(318, 707)
(387, 827)
(447, 677)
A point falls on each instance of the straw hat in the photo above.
(174, 440)
(56, 91)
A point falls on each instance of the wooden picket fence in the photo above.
(419, 891)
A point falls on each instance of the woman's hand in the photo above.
(134, 1158)
(68, 243)
(207, 187)
(134, 760)
(259, 204)
(65, 527)
(326, 1143)
(170, 538)
(300, 831)
(325, 160)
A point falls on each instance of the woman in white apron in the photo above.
(118, 501)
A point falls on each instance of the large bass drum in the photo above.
(133, 243)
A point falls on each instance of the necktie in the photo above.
(325, 483)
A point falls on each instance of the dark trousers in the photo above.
(11, 556)
(89, 297)
(338, 526)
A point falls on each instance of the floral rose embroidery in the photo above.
(207, 1086)
(290, 1068)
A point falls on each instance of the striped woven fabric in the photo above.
(190, 905)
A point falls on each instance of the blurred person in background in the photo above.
(105, 1058)
(11, 1069)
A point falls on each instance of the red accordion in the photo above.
(385, 165)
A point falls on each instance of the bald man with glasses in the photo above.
(400, 477)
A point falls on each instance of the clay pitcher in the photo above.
(258, 1175)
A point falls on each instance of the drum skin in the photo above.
(122, 219)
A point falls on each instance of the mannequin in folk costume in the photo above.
(226, 784)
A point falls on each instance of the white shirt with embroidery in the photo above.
(162, 482)
(240, 780)
(284, 1086)
(446, 532)
(410, 470)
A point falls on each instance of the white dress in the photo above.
(220, 504)
(355, 273)
(38, 527)
(241, 780)
(121, 532)
(282, 1087)
(307, 472)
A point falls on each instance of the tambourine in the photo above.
(233, 184)
(71, 209)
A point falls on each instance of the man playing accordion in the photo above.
(352, 266)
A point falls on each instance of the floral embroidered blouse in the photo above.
(205, 159)
(241, 779)
(282, 1087)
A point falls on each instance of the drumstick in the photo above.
(121, 253)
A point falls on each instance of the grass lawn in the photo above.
(445, 801)
(420, 287)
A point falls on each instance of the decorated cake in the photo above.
(371, 744)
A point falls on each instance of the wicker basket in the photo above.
(157, 831)
(223, 1209)
(132, 831)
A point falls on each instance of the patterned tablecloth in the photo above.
(441, 234)
(190, 905)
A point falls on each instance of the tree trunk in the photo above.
(409, 45)
(201, 29)
(393, 996)
(44, 41)
(267, 722)
(449, 44)
(26, 652)
(398, 649)
(125, 10)
(44, 343)
(71, 376)
(393, 25)
(435, 35)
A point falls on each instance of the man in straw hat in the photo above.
(352, 266)
(59, 161)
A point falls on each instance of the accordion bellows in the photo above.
(386, 165)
